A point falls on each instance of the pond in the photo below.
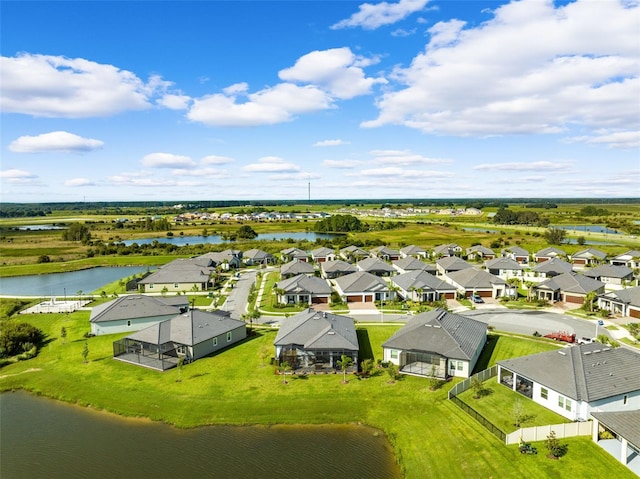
(46, 438)
(588, 228)
(66, 284)
(216, 239)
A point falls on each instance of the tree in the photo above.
(63, 334)
(392, 371)
(14, 335)
(283, 368)
(477, 386)
(85, 351)
(77, 232)
(344, 363)
(555, 235)
(518, 412)
(246, 232)
(264, 353)
(589, 300)
(555, 448)
(367, 367)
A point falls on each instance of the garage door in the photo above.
(573, 299)
(450, 295)
(322, 300)
(485, 294)
(354, 299)
(368, 299)
(634, 313)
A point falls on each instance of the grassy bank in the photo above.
(431, 436)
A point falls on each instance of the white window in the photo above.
(560, 401)
(567, 404)
(150, 285)
(215, 341)
(229, 336)
(460, 365)
(544, 393)
(175, 285)
(394, 354)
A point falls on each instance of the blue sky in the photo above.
(251, 100)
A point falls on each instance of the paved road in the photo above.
(236, 302)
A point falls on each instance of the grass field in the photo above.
(431, 437)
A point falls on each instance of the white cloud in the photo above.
(149, 182)
(174, 102)
(527, 166)
(499, 78)
(336, 142)
(400, 32)
(167, 160)
(404, 158)
(56, 86)
(16, 176)
(337, 70)
(372, 16)
(300, 176)
(614, 139)
(342, 164)
(392, 172)
(216, 160)
(271, 164)
(73, 182)
(201, 173)
(56, 141)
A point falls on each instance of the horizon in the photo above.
(266, 101)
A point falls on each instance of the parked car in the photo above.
(476, 298)
(562, 336)
(584, 340)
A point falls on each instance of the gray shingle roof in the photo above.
(480, 249)
(421, 280)
(179, 272)
(517, 251)
(571, 283)
(628, 295)
(587, 372)
(451, 335)
(361, 281)
(297, 267)
(475, 278)
(137, 306)
(305, 284)
(412, 264)
(623, 423)
(337, 266)
(553, 266)
(453, 263)
(322, 252)
(609, 271)
(318, 330)
(412, 250)
(375, 265)
(503, 263)
(550, 252)
(257, 255)
(590, 253)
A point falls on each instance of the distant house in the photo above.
(472, 281)
(404, 265)
(568, 288)
(422, 286)
(323, 254)
(413, 251)
(546, 254)
(375, 266)
(291, 254)
(449, 264)
(623, 302)
(578, 380)
(192, 274)
(516, 253)
(385, 253)
(353, 253)
(294, 268)
(480, 252)
(588, 257)
(552, 267)
(257, 256)
(362, 287)
(504, 268)
(228, 259)
(314, 340)
(624, 427)
(451, 249)
(437, 343)
(610, 274)
(134, 312)
(335, 269)
(304, 289)
(190, 335)
(630, 259)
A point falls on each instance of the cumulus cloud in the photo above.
(526, 166)
(14, 175)
(201, 173)
(404, 158)
(396, 172)
(372, 16)
(167, 160)
(216, 160)
(174, 102)
(499, 78)
(56, 141)
(74, 182)
(614, 139)
(335, 142)
(337, 70)
(56, 86)
(271, 164)
(342, 164)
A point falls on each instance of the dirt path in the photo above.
(21, 372)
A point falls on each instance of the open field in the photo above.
(430, 435)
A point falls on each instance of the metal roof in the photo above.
(313, 329)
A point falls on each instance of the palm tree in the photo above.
(344, 363)
(283, 367)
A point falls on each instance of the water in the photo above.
(483, 230)
(216, 239)
(44, 438)
(588, 228)
(61, 284)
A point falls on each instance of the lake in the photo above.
(61, 284)
(46, 438)
(588, 228)
(216, 239)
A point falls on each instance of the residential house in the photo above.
(548, 253)
(323, 254)
(291, 254)
(479, 252)
(316, 341)
(384, 253)
(448, 264)
(422, 286)
(295, 267)
(335, 269)
(568, 288)
(134, 312)
(353, 253)
(623, 302)
(304, 289)
(443, 250)
(190, 335)
(410, 263)
(577, 380)
(550, 268)
(630, 259)
(375, 266)
(414, 251)
(437, 343)
(624, 427)
(611, 274)
(225, 260)
(588, 258)
(257, 256)
(178, 276)
(472, 281)
(517, 253)
(505, 268)
(362, 287)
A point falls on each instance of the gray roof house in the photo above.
(610, 274)
(577, 380)
(413, 250)
(568, 288)
(290, 254)
(315, 341)
(385, 253)
(362, 287)
(450, 249)
(335, 269)
(630, 259)
(295, 267)
(423, 287)
(625, 428)
(449, 264)
(179, 275)
(479, 252)
(304, 289)
(323, 254)
(517, 253)
(476, 281)
(588, 257)
(353, 253)
(257, 256)
(552, 267)
(375, 266)
(134, 312)
(548, 253)
(225, 259)
(437, 343)
(404, 265)
(504, 268)
(622, 302)
(190, 335)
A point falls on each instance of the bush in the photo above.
(15, 338)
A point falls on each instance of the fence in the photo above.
(466, 384)
(540, 433)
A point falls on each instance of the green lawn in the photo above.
(431, 436)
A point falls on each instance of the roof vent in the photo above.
(562, 352)
(587, 353)
(428, 325)
(331, 332)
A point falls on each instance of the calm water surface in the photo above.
(216, 239)
(42, 438)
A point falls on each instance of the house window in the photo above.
(129, 324)
(181, 350)
(229, 336)
(175, 285)
(150, 285)
(567, 404)
(560, 402)
(460, 365)
(394, 354)
(215, 341)
(544, 393)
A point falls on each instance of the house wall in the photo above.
(171, 287)
(459, 368)
(207, 347)
(123, 326)
(617, 403)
